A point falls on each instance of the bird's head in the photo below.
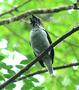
(35, 21)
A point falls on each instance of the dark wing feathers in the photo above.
(52, 50)
(41, 62)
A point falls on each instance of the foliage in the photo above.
(15, 47)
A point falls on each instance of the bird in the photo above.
(40, 40)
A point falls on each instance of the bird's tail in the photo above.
(48, 64)
(50, 70)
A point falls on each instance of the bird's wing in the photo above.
(41, 62)
(52, 50)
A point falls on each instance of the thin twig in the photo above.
(72, 44)
(38, 11)
(14, 8)
(45, 70)
(39, 57)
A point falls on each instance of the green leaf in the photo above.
(2, 77)
(11, 72)
(34, 79)
(28, 84)
(2, 57)
(25, 62)
(19, 66)
(11, 86)
(2, 65)
(7, 75)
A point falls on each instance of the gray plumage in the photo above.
(40, 40)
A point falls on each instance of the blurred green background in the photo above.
(15, 50)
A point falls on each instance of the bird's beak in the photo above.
(34, 17)
(35, 21)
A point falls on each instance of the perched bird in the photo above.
(40, 40)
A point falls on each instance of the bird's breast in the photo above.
(39, 40)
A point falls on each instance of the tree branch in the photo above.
(70, 43)
(38, 11)
(15, 8)
(39, 57)
(45, 70)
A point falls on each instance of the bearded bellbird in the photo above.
(40, 40)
